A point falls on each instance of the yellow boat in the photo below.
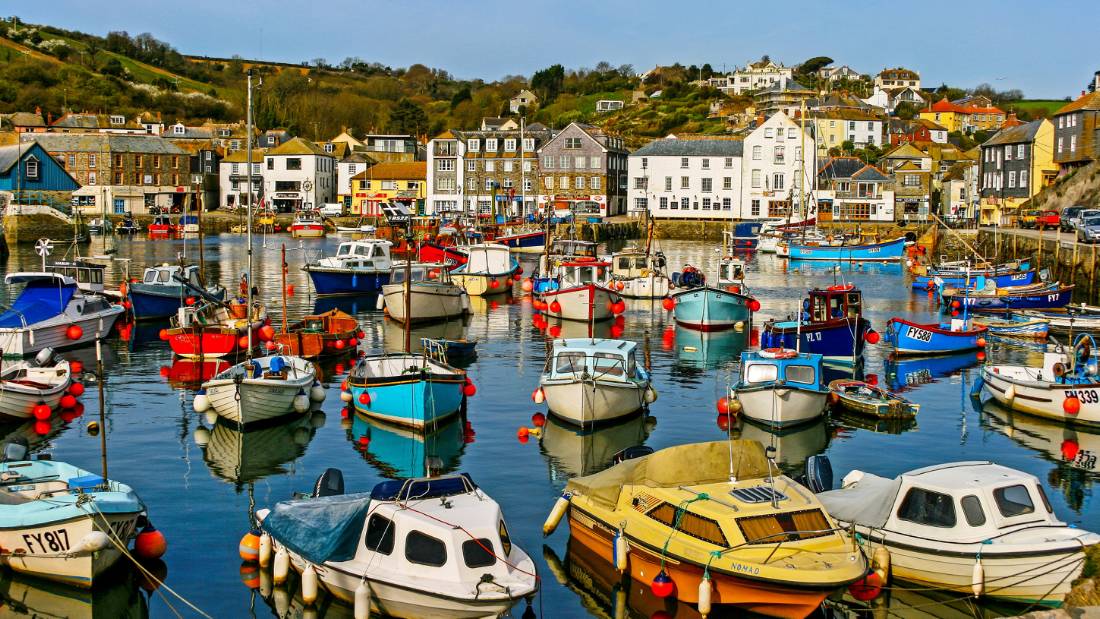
(710, 522)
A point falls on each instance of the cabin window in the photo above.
(689, 523)
(425, 549)
(505, 539)
(1046, 501)
(761, 373)
(150, 277)
(972, 509)
(164, 277)
(624, 263)
(836, 307)
(569, 363)
(853, 304)
(344, 250)
(928, 508)
(478, 553)
(801, 374)
(1013, 501)
(606, 364)
(631, 365)
(380, 534)
(785, 526)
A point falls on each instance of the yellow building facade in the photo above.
(404, 183)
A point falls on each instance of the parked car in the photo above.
(1047, 219)
(1027, 219)
(1089, 230)
(332, 209)
(1079, 219)
(1068, 213)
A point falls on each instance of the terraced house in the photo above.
(687, 178)
(121, 173)
(584, 169)
(850, 190)
(1077, 131)
(1015, 164)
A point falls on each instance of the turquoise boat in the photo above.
(887, 251)
(60, 522)
(416, 391)
(713, 309)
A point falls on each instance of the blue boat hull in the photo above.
(1021, 278)
(711, 309)
(157, 302)
(917, 340)
(331, 282)
(833, 340)
(415, 402)
(888, 251)
(399, 454)
(533, 241)
(1036, 300)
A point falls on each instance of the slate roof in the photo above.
(851, 167)
(789, 86)
(240, 156)
(100, 142)
(189, 133)
(845, 114)
(1020, 134)
(691, 148)
(9, 155)
(297, 146)
(1091, 101)
(25, 119)
(93, 121)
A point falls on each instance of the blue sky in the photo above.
(1041, 48)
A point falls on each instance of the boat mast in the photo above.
(802, 168)
(282, 270)
(248, 157)
(407, 293)
(523, 169)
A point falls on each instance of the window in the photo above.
(1012, 180)
(727, 182)
(270, 164)
(727, 204)
(118, 161)
(139, 160)
(1020, 151)
(549, 182)
(473, 145)
(729, 162)
(293, 163)
(471, 165)
(768, 132)
(563, 182)
(91, 178)
(594, 163)
(707, 185)
(685, 203)
(472, 184)
(756, 179)
(490, 166)
(757, 152)
(779, 155)
(526, 166)
(30, 168)
(489, 184)
(668, 183)
(508, 184)
(928, 508)
(380, 534)
(425, 549)
(1013, 501)
(528, 184)
(528, 144)
(490, 145)
(640, 182)
(689, 523)
(972, 510)
(1072, 143)
(510, 145)
(478, 553)
(443, 165)
(1023, 179)
(786, 526)
(641, 204)
(580, 162)
(706, 164)
(761, 373)
(572, 143)
(706, 204)
(685, 182)
(1059, 144)
(91, 160)
(777, 181)
(548, 162)
(72, 162)
(563, 162)
(508, 166)
(579, 182)
(664, 203)
(1008, 153)
(792, 132)
(120, 205)
(911, 180)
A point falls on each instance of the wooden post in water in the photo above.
(102, 407)
(1058, 251)
(1092, 275)
(1040, 266)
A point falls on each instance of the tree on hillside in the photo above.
(906, 111)
(408, 118)
(463, 94)
(547, 83)
(813, 65)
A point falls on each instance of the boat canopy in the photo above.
(835, 303)
(696, 463)
(492, 259)
(320, 529)
(868, 502)
(45, 296)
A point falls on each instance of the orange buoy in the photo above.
(267, 333)
(74, 332)
(77, 389)
(1071, 405)
(68, 401)
(76, 366)
(555, 307)
(150, 543)
(364, 398)
(164, 334)
(249, 547)
(668, 303)
(754, 305)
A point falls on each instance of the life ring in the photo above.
(778, 353)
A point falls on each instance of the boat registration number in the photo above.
(47, 542)
(1087, 396)
(921, 335)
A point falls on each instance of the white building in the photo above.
(755, 76)
(899, 77)
(524, 100)
(233, 179)
(777, 156)
(346, 168)
(835, 74)
(686, 179)
(888, 99)
(299, 175)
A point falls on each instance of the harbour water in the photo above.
(201, 480)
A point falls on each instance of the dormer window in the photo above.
(31, 168)
(328, 148)
(178, 129)
(223, 133)
(118, 120)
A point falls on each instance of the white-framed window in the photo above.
(579, 182)
(1012, 180)
(757, 152)
(706, 164)
(490, 145)
(768, 132)
(563, 162)
(472, 184)
(91, 178)
(727, 204)
(507, 166)
(780, 155)
(729, 162)
(572, 143)
(664, 203)
(548, 162)
(793, 132)
(1023, 179)
(755, 210)
(473, 145)
(706, 204)
(641, 204)
(563, 182)
(488, 184)
(755, 179)
(528, 185)
(777, 181)
(548, 182)
(684, 162)
(1059, 144)
(471, 165)
(685, 182)
(1020, 151)
(91, 161)
(640, 182)
(508, 183)
(235, 168)
(685, 203)
(668, 183)
(1061, 121)
(727, 182)
(1008, 153)
(579, 163)
(443, 165)
(1072, 143)
(594, 163)
(509, 145)
(528, 144)
(490, 166)
(707, 185)
(595, 182)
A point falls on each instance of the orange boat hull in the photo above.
(751, 595)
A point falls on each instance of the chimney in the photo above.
(38, 110)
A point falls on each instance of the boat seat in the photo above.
(281, 375)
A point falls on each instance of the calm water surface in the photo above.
(200, 496)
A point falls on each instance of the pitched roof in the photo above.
(845, 114)
(931, 125)
(411, 170)
(100, 142)
(240, 156)
(904, 150)
(1090, 101)
(297, 146)
(10, 154)
(93, 121)
(1019, 134)
(850, 167)
(899, 73)
(25, 119)
(673, 147)
(943, 105)
(189, 133)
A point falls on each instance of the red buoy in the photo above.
(150, 543)
(555, 331)
(724, 406)
(339, 344)
(42, 428)
(981, 342)
(494, 284)
(872, 337)
(662, 586)
(538, 420)
(527, 286)
(267, 333)
(469, 389)
(867, 588)
(76, 366)
(1071, 405)
(74, 332)
(754, 305)
(555, 307)
(668, 303)
(955, 304)
(723, 422)
(77, 389)
(68, 401)
(364, 398)
(353, 342)
(164, 334)
(41, 412)
(189, 300)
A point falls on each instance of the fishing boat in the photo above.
(780, 388)
(61, 522)
(886, 251)
(1071, 318)
(52, 312)
(864, 398)
(1017, 327)
(307, 225)
(911, 338)
(745, 236)
(1013, 298)
(24, 385)
(412, 548)
(977, 528)
(128, 226)
(731, 273)
(320, 335)
(1001, 277)
(261, 390)
(832, 325)
(488, 270)
(406, 389)
(429, 297)
(638, 275)
(592, 381)
(560, 251)
(162, 226)
(359, 267)
(713, 309)
(1066, 388)
(213, 330)
(712, 523)
(189, 224)
(523, 242)
(164, 289)
(580, 293)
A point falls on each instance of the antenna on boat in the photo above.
(248, 156)
(102, 407)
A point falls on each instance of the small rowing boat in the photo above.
(867, 399)
(1021, 327)
(24, 385)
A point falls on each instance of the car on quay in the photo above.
(1040, 219)
(1068, 213)
(1089, 230)
(1082, 215)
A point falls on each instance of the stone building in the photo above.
(583, 169)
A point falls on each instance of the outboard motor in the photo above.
(16, 450)
(43, 357)
(330, 483)
(819, 473)
(635, 451)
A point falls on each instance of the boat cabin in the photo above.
(170, 275)
(161, 222)
(731, 271)
(362, 254)
(597, 358)
(88, 275)
(489, 259)
(775, 365)
(632, 264)
(573, 247)
(421, 272)
(189, 223)
(834, 303)
(582, 273)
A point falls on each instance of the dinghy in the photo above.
(261, 389)
(52, 312)
(910, 338)
(410, 390)
(24, 385)
(592, 381)
(781, 388)
(1017, 327)
(977, 528)
(418, 548)
(307, 225)
(1069, 319)
(319, 335)
(867, 399)
(60, 522)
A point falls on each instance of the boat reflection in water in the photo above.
(242, 457)
(192, 373)
(792, 446)
(904, 374)
(1074, 452)
(855, 421)
(393, 334)
(571, 451)
(398, 452)
(870, 268)
(606, 593)
(116, 594)
(709, 350)
(573, 329)
(920, 602)
(354, 305)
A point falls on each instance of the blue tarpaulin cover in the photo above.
(40, 300)
(320, 529)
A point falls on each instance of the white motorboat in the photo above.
(359, 267)
(581, 294)
(488, 270)
(972, 527)
(52, 312)
(592, 381)
(307, 225)
(636, 275)
(27, 384)
(423, 548)
(261, 389)
(431, 295)
(781, 388)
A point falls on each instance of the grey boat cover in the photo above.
(697, 463)
(320, 529)
(867, 502)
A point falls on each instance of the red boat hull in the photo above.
(431, 252)
(207, 342)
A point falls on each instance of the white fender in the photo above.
(93, 541)
(282, 566)
(265, 549)
(650, 394)
(977, 578)
(345, 396)
(880, 562)
(309, 585)
(704, 596)
(622, 550)
(1010, 393)
(362, 601)
(317, 393)
(301, 403)
(201, 403)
